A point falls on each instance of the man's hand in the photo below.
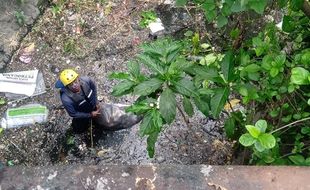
(95, 113)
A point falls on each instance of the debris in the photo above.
(217, 187)
(24, 115)
(231, 104)
(21, 85)
(156, 26)
(26, 53)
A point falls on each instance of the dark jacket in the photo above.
(80, 105)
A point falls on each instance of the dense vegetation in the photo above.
(267, 71)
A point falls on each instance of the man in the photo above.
(79, 97)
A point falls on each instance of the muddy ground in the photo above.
(96, 39)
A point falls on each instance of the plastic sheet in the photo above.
(113, 117)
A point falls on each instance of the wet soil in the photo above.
(97, 39)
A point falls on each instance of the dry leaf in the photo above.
(233, 104)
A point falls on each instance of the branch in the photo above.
(306, 8)
(290, 124)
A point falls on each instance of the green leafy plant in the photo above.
(270, 78)
(20, 18)
(258, 137)
(146, 18)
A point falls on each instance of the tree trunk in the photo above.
(306, 8)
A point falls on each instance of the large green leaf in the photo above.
(146, 126)
(252, 68)
(254, 131)
(228, 66)
(151, 140)
(147, 87)
(229, 127)
(202, 105)
(134, 68)
(259, 147)
(188, 107)
(221, 21)
(167, 105)
(209, 73)
(261, 125)
(218, 100)
(296, 4)
(185, 87)
(116, 75)
(124, 87)
(297, 159)
(299, 76)
(180, 2)
(247, 140)
(258, 5)
(139, 108)
(267, 140)
(151, 123)
(179, 65)
(288, 24)
(151, 64)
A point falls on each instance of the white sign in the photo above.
(23, 82)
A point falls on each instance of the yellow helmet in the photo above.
(67, 76)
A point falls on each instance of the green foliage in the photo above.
(269, 73)
(218, 11)
(20, 18)
(146, 18)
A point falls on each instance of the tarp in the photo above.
(22, 83)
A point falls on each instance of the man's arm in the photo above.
(69, 106)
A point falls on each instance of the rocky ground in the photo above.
(96, 39)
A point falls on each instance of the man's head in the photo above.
(70, 79)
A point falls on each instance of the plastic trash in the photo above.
(113, 117)
(24, 115)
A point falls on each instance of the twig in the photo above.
(184, 117)
(83, 183)
(290, 124)
(291, 153)
(91, 133)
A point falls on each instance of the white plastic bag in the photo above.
(24, 115)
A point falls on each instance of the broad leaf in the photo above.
(221, 21)
(167, 105)
(188, 107)
(209, 73)
(218, 100)
(258, 5)
(134, 68)
(116, 75)
(259, 147)
(267, 140)
(252, 68)
(185, 87)
(296, 4)
(247, 140)
(267, 62)
(254, 131)
(151, 140)
(151, 64)
(146, 126)
(180, 2)
(299, 76)
(297, 159)
(124, 87)
(147, 87)
(262, 125)
(229, 127)
(228, 66)
(288, 24)
(151, 123)
(202, 105)
(138, 108)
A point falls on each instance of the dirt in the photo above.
(97, 39)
